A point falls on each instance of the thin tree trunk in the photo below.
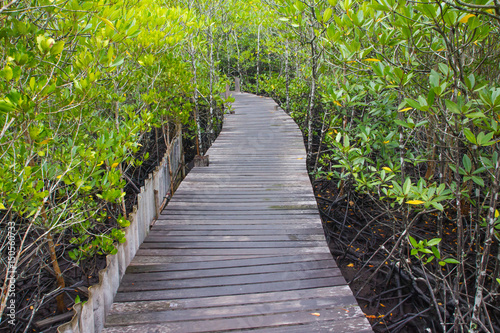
(199, 142)
(312, 95)
(211, 85)
(490, 233)
(61, 306)
(257, 59)
(117, 124)
(287, 75)
(238, 54)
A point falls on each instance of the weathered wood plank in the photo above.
(227, 263)
(341, 320)
(243, 289)
(139, 284)
(231, 271)
(343, 293)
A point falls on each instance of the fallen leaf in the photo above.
(350, 265)
(316, 314)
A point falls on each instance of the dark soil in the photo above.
(359, 237)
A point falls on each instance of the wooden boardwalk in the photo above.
(240, 247)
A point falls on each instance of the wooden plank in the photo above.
(343, 293)
(157, 237)
(208, 232)
(249, 225)
(157, 260)
(231, 271)
(138, 284)
(209, 313)
(232, 252)
(228, 245)
(236, 263)
(339, 319)
(234, 220)
(243, 289)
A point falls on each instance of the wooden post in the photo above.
(227, 91)
(201, 161)
(237, 85)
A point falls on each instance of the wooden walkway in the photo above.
(240, 247)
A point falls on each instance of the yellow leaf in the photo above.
(497, 213)
(386, 141)
(300, 158)
(100, 163)
(316, 314)
(415, 202)
(371, 59)
(350, 62)
(2, 206)
(59, 177)
(439, 50)
(337, 102)
(387, 168)
(107, 22)
(114, 165)
(405, 109)
(44, 142)
(350, 265)
(466, 18)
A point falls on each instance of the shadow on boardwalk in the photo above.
(240, 246)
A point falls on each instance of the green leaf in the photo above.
(412, 103)
(117, 62)
(437, 205)
(434, 241)
(475, 115)
(478, 180)
(57, 48)
(470, 136)
(407, 186)
(7, 73)
(434, 79)
(451, 261)
(467, 163)
(327, 14)
(413, 241)
(452, 106)
(436, 253)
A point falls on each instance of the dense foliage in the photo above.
(83, 83)
(399, 102)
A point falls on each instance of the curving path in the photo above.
(240, 245)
